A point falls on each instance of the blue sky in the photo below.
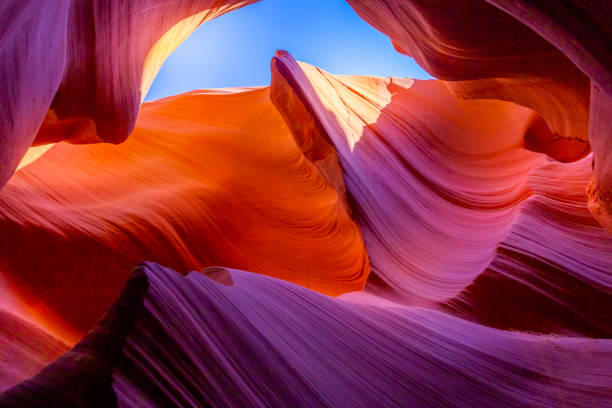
(235, 49)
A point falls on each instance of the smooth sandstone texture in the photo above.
(487, 54)
(491, 276)
(600, 127)
(456, 214)
(536, 53)
(197, 342)
(32, 61)
(422, 169)
(579, 29)
(562, 103)
(205, 179)
(462, 39)
(551, 272)
(78, 70)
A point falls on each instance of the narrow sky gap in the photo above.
(235, 49)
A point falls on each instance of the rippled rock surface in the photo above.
(328, 240)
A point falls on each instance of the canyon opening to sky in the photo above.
(360, 203)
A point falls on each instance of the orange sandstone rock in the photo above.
(207, 178)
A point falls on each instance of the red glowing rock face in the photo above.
(181, 198)
(408, 243)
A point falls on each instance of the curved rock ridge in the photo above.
(551, 273)
(580, 30)
(498, 56)
(536, 53)
(195, 185)
(452, 207)
(196, 342)
(562, 103)
(29, 29)
(600, 128)
(78, 70)
(463, 39)
(422, 170)
(410, 243)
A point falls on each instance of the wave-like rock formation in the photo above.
(539, 54)
(441, 243)
(496, 58)
(78, 70)
(445, 192)
(195, 341)
(195, 185)
(422, 169)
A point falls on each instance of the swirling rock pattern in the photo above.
(446, 209)
(422, 169)
(505, 57)
(599, 190)
(179, 197)
(500, 57)
(551, 273)
(196, 342)
(585, 23)
(27, 93)
(81, 68)
(408, 243)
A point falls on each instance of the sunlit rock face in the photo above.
(78, 70)
(486, 53)
(454, 210)
(538, 54)
(422, 168)
(328, 240)
(195, 185)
